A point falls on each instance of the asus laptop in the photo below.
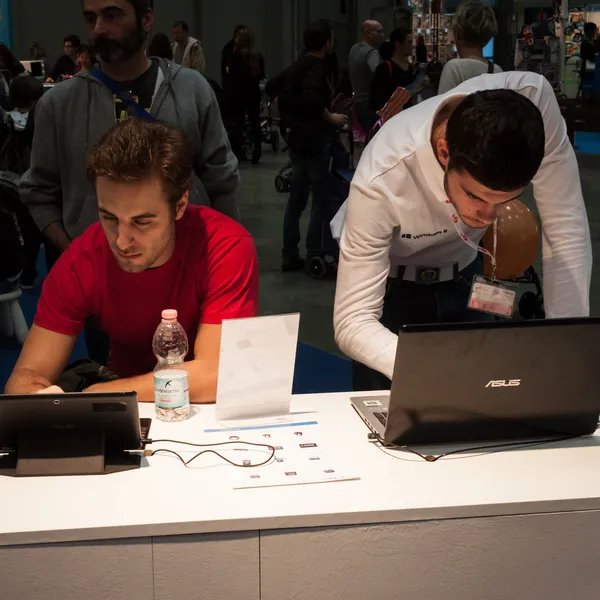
(70, 434)
(489, 381)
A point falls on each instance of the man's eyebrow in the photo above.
(476, 197)
(105, 212)
(146, 215)
(105, 9)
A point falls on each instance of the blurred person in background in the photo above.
(396, 70)
(305, 99)
(38, 52)
(160, 46)
(67, 63)
(85, 59)
(473, 27)
(242, 92)
(421, 54)
(363, 60)
(227, 51)
(187, 51)
(589, 50)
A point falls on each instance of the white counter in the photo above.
(394, 487)
(511, 524)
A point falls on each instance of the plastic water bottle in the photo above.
(171, 388)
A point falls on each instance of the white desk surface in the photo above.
(165, 498)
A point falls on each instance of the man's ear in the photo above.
(148, 20)
(442, 153)
(181, 206)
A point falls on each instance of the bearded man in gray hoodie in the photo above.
(71, 119)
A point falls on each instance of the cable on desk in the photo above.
(209, 450)
(494, 447)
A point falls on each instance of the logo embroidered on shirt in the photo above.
(410, 236)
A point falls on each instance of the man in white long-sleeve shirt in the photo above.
(479, 146)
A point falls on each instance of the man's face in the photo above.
(375, 35)
(85, 60)
(70, 50)
(407, 47)
(114, 30)
(138, 221)
(475, 204)
(180, 36)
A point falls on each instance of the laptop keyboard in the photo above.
(381, 417)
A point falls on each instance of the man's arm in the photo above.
(567, 250)
(40, 187)
(42, 360)
(197, 58)
(362, 274)
(216, 164)
(373, 60)
(202, 371)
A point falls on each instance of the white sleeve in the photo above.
(362, 274)
(450, 77)
(566, 246)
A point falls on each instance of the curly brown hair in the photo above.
(137, 150)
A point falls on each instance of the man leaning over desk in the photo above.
(151, 251)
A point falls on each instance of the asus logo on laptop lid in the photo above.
(504, 383)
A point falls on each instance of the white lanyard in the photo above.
(465, 238)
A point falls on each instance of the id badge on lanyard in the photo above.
(487, 293)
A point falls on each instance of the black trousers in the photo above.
(408, 303)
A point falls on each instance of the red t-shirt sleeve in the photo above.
(65, 303)
(231, 289)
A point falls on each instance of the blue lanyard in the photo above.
(123, 95)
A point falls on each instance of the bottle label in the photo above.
(171, 389)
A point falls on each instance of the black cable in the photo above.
(210, 451)
(431, 458)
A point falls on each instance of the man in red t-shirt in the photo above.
(151, 251)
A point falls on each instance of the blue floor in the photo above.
(587, 142)
(316, 371)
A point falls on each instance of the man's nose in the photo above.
(124, 238)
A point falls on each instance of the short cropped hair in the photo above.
(474, 23)
(74, 39)
(137, 150)
(497, 137)
(182, 24)
(316, 35)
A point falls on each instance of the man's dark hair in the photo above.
(141, 6)
(399, 35)
(590, 29)
(238, 28)
(137, 150)
(182, 24)
(74, 39)
(497, 137)
(316, 35)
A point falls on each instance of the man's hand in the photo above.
(53, 389)
(337, 120)
(49, 80)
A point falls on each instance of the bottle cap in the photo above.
(169, 315)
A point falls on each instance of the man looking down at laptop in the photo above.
(151, 251)
(425, 191)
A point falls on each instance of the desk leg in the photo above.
(222, 566)
(533, 557)
(101, 570)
